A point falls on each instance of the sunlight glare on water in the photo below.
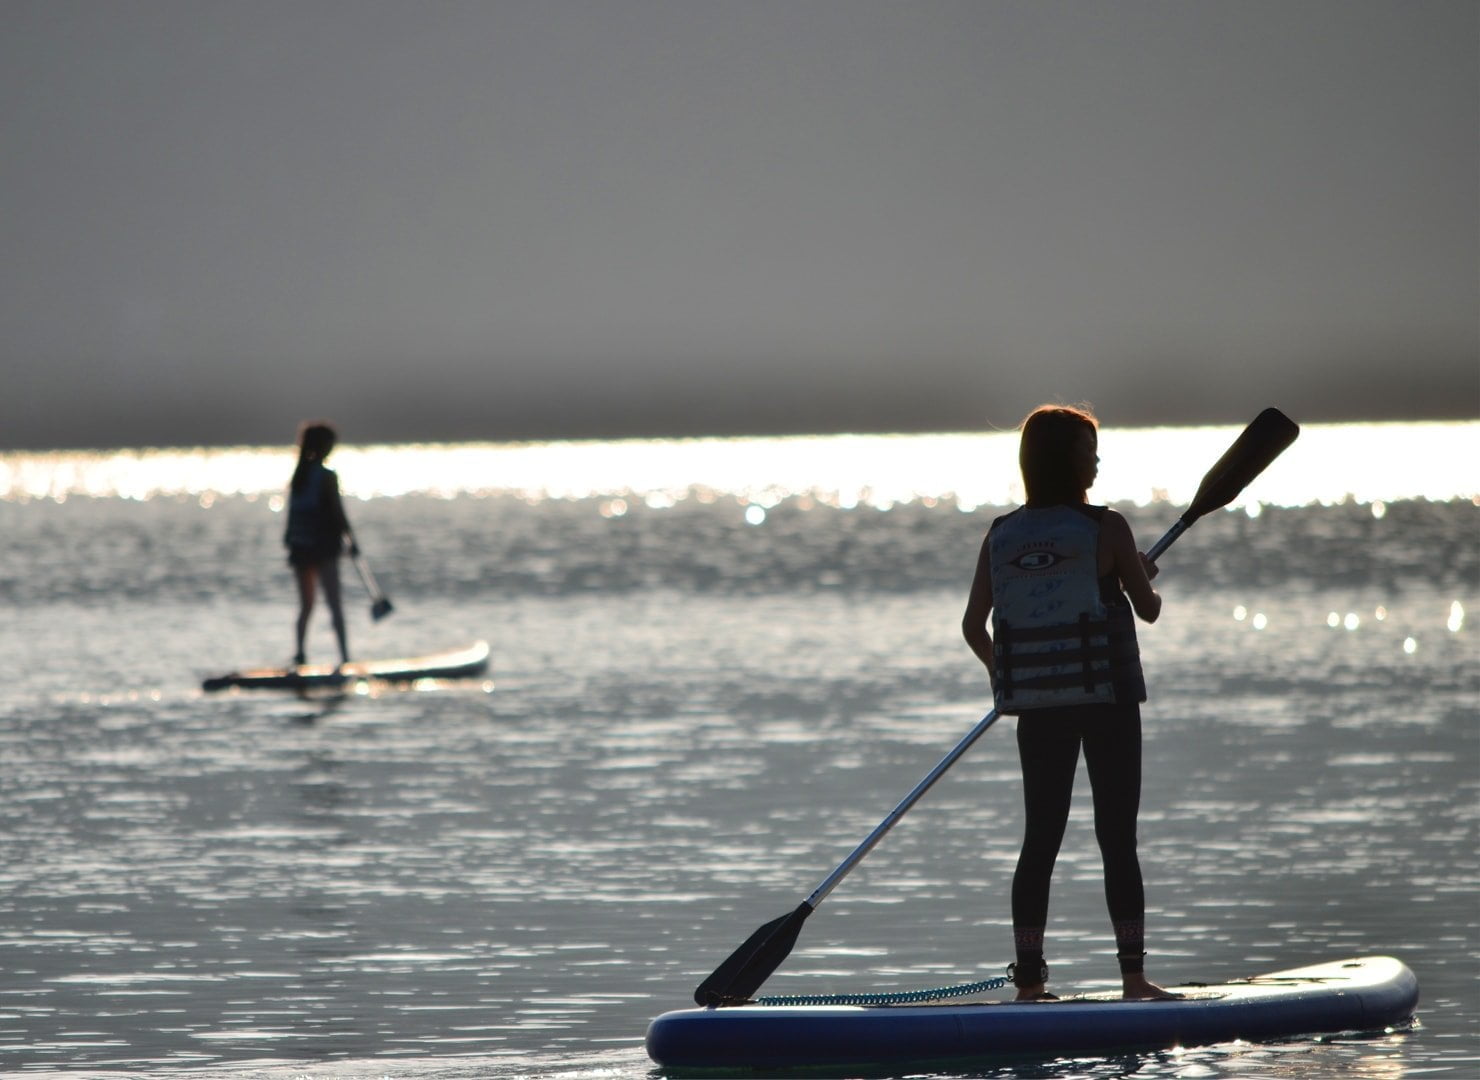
(1369, 463)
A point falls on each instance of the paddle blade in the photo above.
(380, 609)
(1261, 442)
(753, 962)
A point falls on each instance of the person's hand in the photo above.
(354, 550)
(1148, 566)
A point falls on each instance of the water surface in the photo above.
(695, 712)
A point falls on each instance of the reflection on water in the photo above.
(534, 873)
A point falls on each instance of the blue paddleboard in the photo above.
(1365, 994)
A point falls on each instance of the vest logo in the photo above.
(1031, 562)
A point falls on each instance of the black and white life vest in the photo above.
(1059, 635)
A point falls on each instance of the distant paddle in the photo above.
(380, 605)
(734, 981)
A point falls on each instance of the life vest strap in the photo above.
(1106, 653)
(1032, 635)
(1061, 682)
(1095, 652)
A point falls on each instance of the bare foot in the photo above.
(1139, 988)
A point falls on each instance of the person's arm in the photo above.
(978, 607)
(1131, 566)
(335, 506)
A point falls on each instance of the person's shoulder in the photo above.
(1113, 522)
(1004, 517)
(1084, 510)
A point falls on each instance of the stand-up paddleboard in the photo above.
(453, 664)
(1368, 994)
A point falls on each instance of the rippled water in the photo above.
(690, 721)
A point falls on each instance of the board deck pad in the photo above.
(1358, 995)
(460, 663)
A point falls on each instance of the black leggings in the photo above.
(1048, 743)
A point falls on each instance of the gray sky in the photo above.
(492, 220)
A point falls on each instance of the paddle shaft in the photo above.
(367, 578)
(363, 568)
(846, 866)
(380, 605)
(1168, 538)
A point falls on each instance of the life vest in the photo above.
(309, 526)
(1060, 636)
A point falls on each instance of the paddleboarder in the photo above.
(1075, 455)
(1062, 582)
(315, 534)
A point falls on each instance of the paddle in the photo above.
(752, 963)
(380, 605)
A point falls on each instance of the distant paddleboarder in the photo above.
(316, 531)
(1062, 581)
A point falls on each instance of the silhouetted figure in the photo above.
(316, 531)
(1061, 580)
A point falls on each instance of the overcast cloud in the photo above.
(509, 220)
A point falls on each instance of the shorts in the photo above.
(303, 557)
